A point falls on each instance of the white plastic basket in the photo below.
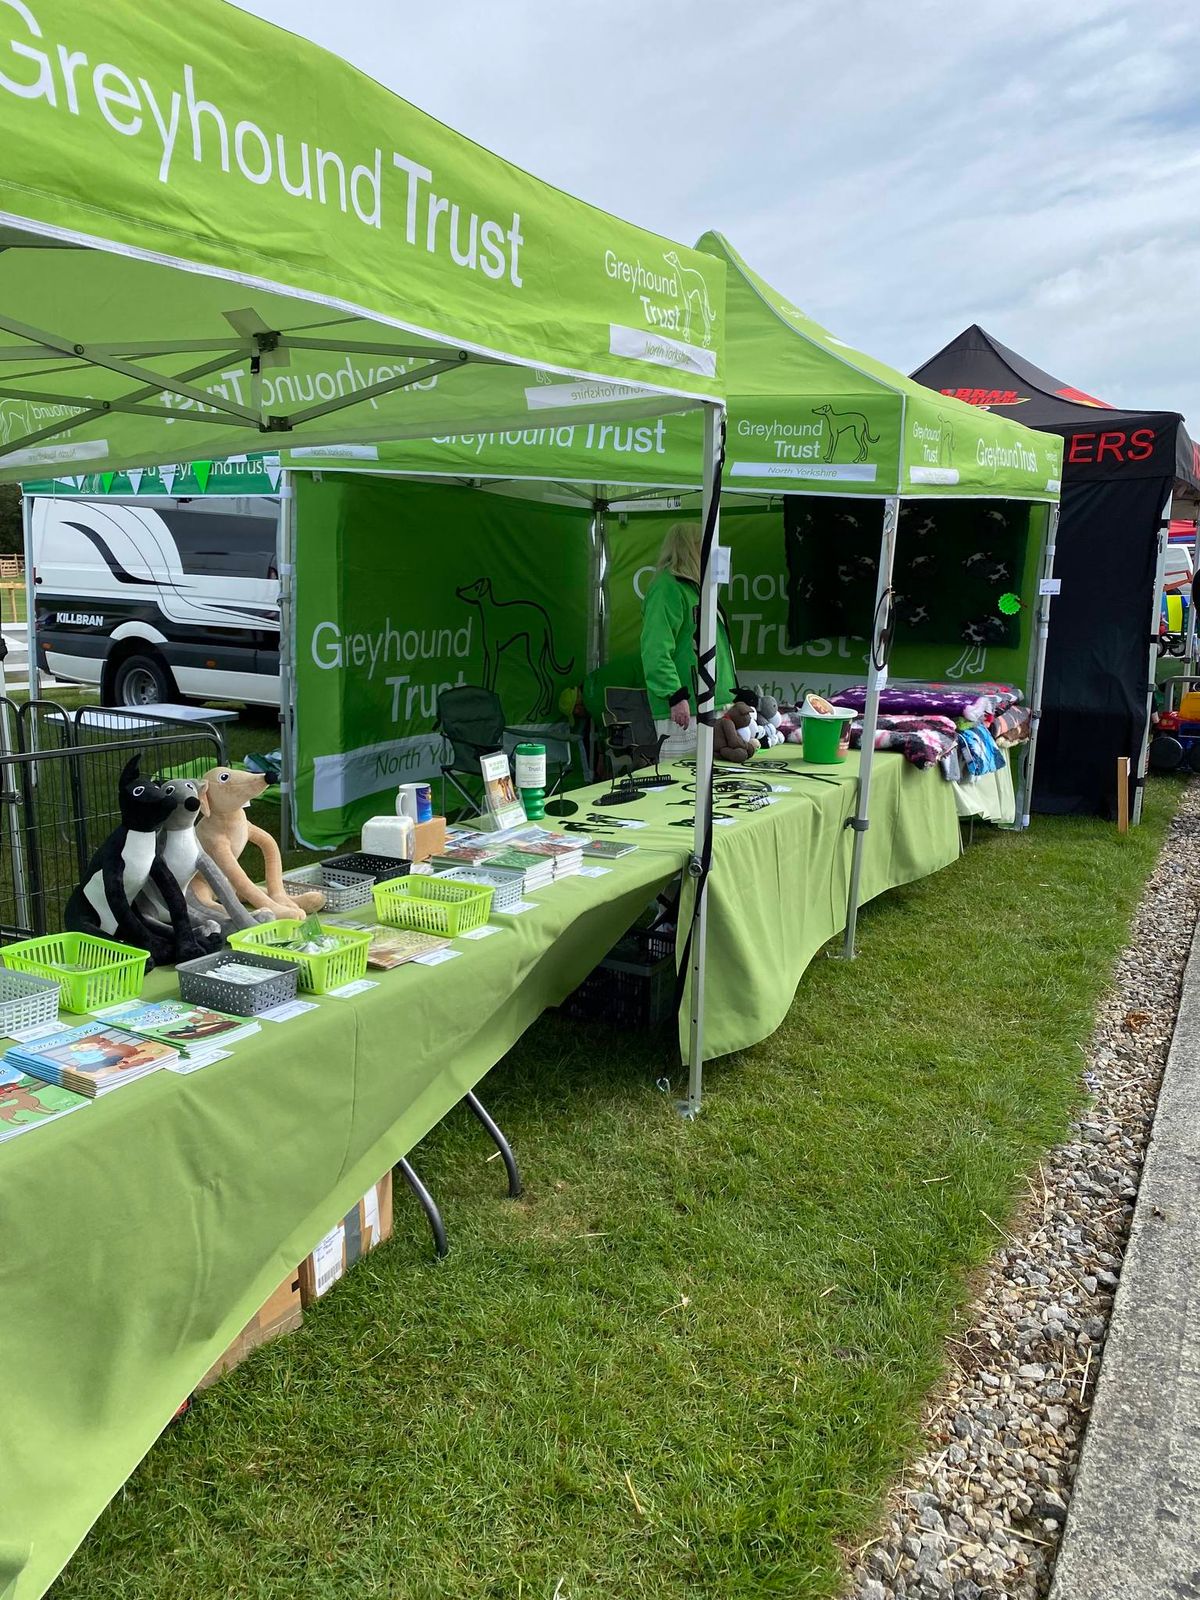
(26, 1001)
(344, 891)
(508, 884)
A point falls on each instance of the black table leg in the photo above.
(472, 1101)
(428, 1206)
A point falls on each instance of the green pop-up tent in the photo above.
(807, 415)
(215, 237)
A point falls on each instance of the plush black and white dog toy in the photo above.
(104, 903)
(180, 851)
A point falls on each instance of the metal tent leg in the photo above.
(876, 679)
(428, 1205)
(1038, 676)
(706, 642)
(285, 565)
(474, 1105)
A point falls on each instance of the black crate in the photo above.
(381, 868)
(633, 987)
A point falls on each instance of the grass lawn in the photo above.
(690, 1360)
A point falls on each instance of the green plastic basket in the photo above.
(319, 973)
(432, 905)
(91, 973)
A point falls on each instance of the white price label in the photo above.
(781, 788)
(359, 986)
(724, 822)
(288, 1010)
(436, 957)
(481, 933)
(198, 1059)
(43, 1030)
(1050, 586)
(594, 872)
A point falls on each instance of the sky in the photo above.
(898, 170)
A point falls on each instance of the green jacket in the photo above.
(669, 645)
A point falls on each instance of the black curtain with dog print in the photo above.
(955, 566)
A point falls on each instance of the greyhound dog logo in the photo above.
(972, 661)
(525, 625)
(839, 422)
(14, 421)
(694, 292)
(946, 442)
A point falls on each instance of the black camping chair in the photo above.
(634, 743)
(471, 720)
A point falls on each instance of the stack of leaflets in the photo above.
(92, 1059)
(392, 947)
(469, 853)
(499, 792)
(566, 854)
(27, 1102)
(191, 1029)
(245, 973)
(606, 849)
(537, 870)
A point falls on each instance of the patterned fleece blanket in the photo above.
(921, 740)
(971, 701)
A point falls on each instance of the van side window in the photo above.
(226, 546)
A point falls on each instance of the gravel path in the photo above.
(979, 1516)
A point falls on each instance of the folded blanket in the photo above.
(971, 702)
(1011, 727)
(978, 752)
(921, 740)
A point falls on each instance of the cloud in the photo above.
(899, 171)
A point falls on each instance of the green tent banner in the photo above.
(243, 475)
(316, 214)
(403, 592)
(806, 415)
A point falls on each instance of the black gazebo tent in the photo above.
(1120, 472)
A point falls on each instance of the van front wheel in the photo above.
(141, 681)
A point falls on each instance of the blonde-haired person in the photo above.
(669, 641)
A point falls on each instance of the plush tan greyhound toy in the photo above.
(225, 830)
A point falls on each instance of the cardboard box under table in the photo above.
(280, 1312)
(364, 1226)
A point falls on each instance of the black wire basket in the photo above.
(633, 987)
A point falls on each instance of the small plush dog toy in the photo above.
(179, 848)
(729, 741)
(224, 834)
(104, 903)
(770, 732)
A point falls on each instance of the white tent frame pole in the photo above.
(14, 808)
(155, 382)
(705, 710)
(371, 392)
(1189, 649)
(32, 675)
(876, 679)
(286, 562)
(595, 633)
(1037, 677)
(1160, 575)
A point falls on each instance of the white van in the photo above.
(159, 600)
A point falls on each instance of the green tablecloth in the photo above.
(780, 876)
(141, 1233)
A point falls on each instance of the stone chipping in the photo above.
(979, 1515)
